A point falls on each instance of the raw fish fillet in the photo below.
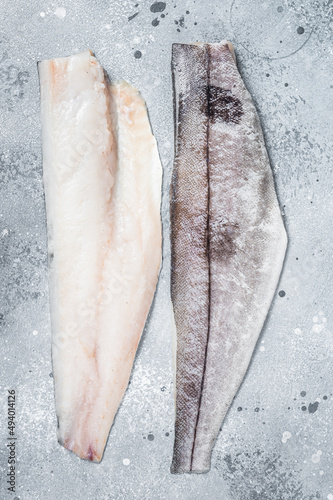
(228, 243)
(102, 179)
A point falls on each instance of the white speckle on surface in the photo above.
(34, 332)
(318, 328)
(60, 12)
(315, 319)
(4, 232)
(316, 457)
(324, 320)
(298, 331)
(321, 472)
(136, 39)
(285, 436)
(126, 461)
(262, 348)
(42, 14)
(330, 496)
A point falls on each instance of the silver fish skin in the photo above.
(218, 323)
(189, 219)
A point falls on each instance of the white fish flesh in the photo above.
(228, 243)
(102, 180)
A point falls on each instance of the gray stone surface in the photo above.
(276, 443)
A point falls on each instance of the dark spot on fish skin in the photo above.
(256, 410)
(303, 393)
(157, 7)
(163, 388)
(222, 244)
(223, 106)
(151, 437)
(137, 54)
(195, 23)
(191, 390)
(282, 293)
(286, 84)
(325, 397)
(304, 408)
(181, 22)
(155, 22)
(51, 375)
(133, 16)
(239, 408)
(162, 16)
(280, 9)
(267, 74)
(167, 434)
(300, 30)
(313, 407)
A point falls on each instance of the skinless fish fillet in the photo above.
(102, 179)
(228, 243)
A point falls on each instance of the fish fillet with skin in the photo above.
(102, 180)
(228, 243)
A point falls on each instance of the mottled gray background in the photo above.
(276, 442)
